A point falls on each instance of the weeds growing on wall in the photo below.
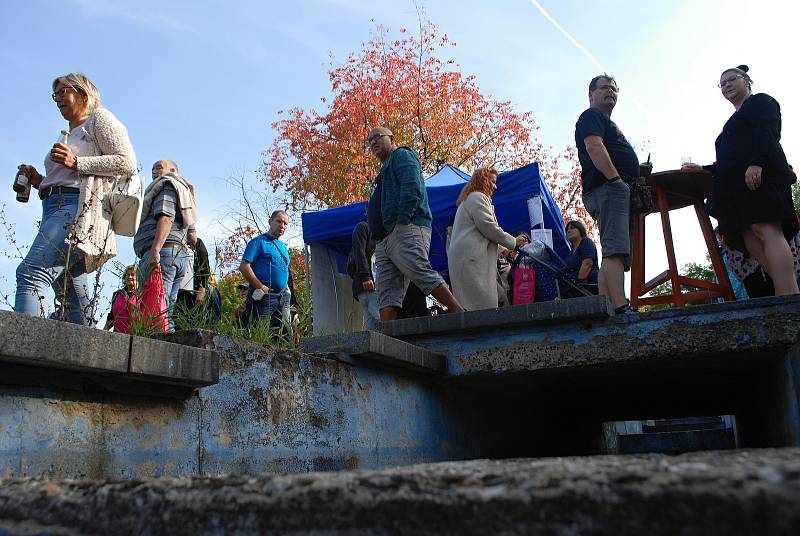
(230, 324)
(60, 310)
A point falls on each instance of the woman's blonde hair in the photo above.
(81, 83)
(481, 181)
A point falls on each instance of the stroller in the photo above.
(539, 274)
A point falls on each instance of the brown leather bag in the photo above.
(641, 196)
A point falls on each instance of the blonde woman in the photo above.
(75, 237)
(472, 254)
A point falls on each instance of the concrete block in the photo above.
(552, 312)
(727, 492)
(711, 332)
(371, 345)
(41, 342)
(198, 338)
(168, 362)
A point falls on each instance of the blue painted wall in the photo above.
(270, 412)
(290, 412)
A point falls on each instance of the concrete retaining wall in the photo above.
(270, 412)
(527, 381)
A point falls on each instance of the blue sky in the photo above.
(200, 82)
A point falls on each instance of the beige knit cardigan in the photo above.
(110, 155)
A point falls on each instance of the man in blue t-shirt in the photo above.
(265, 266)
(607, 161)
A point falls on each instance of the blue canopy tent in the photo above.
(328, 232)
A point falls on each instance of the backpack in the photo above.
(125, 205)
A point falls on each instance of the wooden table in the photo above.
(673, 190)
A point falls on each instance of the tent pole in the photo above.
(308, 287)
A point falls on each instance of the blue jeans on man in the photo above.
(286, 313)
(369, 308)
(262, 309)
(44, 265)
(174, 262)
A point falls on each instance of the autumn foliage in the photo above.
(320, 159)
(229, 251)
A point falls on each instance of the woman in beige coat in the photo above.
(472, 253)
(75, 236)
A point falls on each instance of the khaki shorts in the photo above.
(610, 206)
(402, 257)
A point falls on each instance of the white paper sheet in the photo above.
(535, 211)
(543, 235)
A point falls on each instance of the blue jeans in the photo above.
(286, 313)
(43, 266)
(369, 307)
(263, 309)
(174, 263)
(214, 302)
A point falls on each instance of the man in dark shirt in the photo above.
(607, 161)
(400, 221)
(168, 210)
(359, 267)
(204, 293)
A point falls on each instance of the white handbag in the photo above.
(125, 204)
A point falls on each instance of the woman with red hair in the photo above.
(472, 250)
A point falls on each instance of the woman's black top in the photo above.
(751, 137)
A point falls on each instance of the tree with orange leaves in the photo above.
(320, 159)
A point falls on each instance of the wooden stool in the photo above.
(674, 190)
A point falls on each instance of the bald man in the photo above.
(400, 221)
(168, 211)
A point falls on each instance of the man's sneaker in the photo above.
(626, 309)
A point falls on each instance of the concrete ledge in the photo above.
(723, 492)
(36, 341)
(373, 346)
(197, 338)
(552, 312)
(173, 363)
(41, 352)
(719, 331)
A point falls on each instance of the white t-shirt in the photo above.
(59, 175)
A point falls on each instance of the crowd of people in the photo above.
(751, 199)
(77, 235)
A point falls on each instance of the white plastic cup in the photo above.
(258, 294)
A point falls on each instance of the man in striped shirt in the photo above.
(168, 211)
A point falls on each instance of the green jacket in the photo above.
(403, 198)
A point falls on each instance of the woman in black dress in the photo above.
(752, 196)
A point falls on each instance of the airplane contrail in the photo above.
(589, 55)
